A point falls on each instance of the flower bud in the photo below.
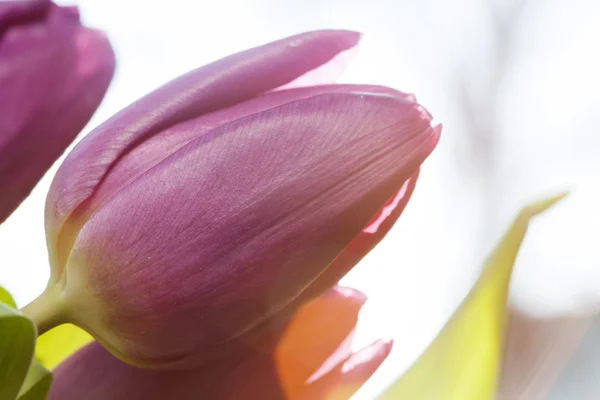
(53, 75)
(217, 203)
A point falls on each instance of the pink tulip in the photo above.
(53, 74)
(218, 204)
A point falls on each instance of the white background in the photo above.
(520, 110)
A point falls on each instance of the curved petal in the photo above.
(160, 146)
(325, 74)
(318, 331)
(344, 380)
(53, 75)
(94, 374)
(243, 219)
(17, 12)
(218, 85)
(362, 244)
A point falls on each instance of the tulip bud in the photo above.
(313, 360)
(53, 75)
(213, 204)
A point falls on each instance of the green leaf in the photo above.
(6, 298)
(37, 383)
(17, 340)
(59, 343)
(463, 361)
(38, 379)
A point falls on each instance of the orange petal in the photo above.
(317, 331)
(344, 380)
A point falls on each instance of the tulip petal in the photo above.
(315, 333)
(344, 380)
(223, 83)
(464, 360)
(94, 374)
(326, 74)
(360, 246)
(363, 243)
(53, 75)
(256, 208)
(157, 148)
(18, 12)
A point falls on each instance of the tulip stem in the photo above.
(45, 310)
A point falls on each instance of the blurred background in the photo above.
(515, 84)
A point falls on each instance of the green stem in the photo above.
(46, 311)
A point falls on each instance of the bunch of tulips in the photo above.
(198, 236)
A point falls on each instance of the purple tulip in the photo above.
(217, 204)
(53, 75)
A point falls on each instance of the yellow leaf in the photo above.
(59, 343)
(463, 362)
